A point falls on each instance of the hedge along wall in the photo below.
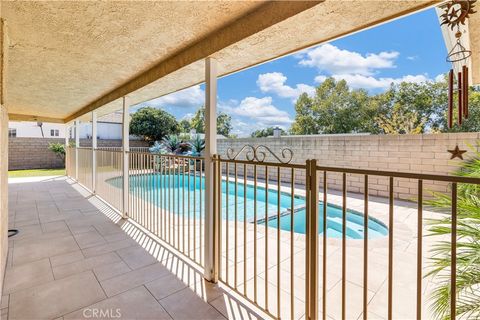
(33, 153)
(425, 153)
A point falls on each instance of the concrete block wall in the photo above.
(33, 153)
(425, 153)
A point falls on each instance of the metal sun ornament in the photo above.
(456, 12)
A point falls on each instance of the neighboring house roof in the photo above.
(114, 117)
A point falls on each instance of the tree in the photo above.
(400, 121)
(184, 126)
(267, 132)
(153, 124)
(412, 108)
(224, 122)
(334, 109)
(404, 108)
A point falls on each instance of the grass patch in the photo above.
(35, 173)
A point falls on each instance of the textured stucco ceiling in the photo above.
(65, 55)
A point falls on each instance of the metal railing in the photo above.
(70, 165)
(85, 167)
(166, 197)
(283, 243)
(109, 179)
(257, 258)
(416, 292)
(132, 149)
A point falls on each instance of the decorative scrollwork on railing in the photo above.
(259, 153)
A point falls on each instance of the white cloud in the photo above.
(369, 82)
(190, 97)
(255, 113)
(412, 58)
(320, 78)
(333, 60)
(187, 116)
(440, 77)
(262, 110)
(243, 128)
(274, 82)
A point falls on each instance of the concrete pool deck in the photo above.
(74, 253)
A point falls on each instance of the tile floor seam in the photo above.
(156, 261)
(219, 311)
(103, 290)
(114, 275)
(51, 268)
(158, 302)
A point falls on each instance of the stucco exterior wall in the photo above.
(3, 192)
(407, 153)
(29, 129)
(33, 153)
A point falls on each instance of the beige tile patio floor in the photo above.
(74, 258)
(74, 255)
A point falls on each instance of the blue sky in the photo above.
(407, 49)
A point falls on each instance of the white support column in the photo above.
(210, 151)
(94, 153)
(77, 145)
(126, 149)
(67, 137)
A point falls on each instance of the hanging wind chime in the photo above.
(456, 12)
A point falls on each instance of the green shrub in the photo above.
(58, 149)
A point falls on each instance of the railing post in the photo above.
(312, 240)
(217, 178)
(210, 151)
(77, 144)
(126, 150)
(94, 154)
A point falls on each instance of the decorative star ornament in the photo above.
(457, 153)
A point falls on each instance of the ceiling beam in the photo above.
(33, 118)
(253, 22)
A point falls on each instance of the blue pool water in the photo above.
(182, 194)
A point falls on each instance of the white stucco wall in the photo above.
(105, 130)
(26, 129)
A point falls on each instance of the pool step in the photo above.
(273, 216)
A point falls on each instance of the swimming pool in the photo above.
(184, 193)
